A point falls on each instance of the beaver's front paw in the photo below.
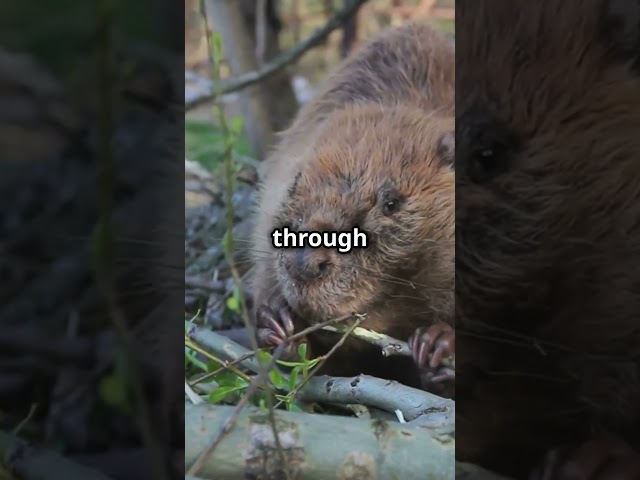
(429, 347)
(275, 322)
(607, 458)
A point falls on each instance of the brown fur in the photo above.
(381, 120)
(547, 288)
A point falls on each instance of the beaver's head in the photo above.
(389, 172)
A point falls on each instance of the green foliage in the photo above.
(217, 51)
(299, 374)
(234, 303)
(229, 385)
(236, 125)
(226, 383)
(191, 358)
(115, 388)
(113, 391)
(205, 143)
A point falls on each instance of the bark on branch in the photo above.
(31, 463)
(385, 395)
(316, 447)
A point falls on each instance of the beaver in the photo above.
(547, 237)
(374, 150)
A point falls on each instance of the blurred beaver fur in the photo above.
(548, 234)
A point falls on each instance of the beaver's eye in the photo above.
(488, 146)
(489, 162)
(390, 206)
(389, 200)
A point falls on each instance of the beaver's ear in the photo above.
(621, 27)
(447, 149)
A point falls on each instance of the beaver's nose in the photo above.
(309, 264)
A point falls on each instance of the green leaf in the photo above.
(226, 243)
(308, 365)
(289, 364)
(212, 366)
(302, 351)
(217, 113)
(113, 391)
(227, 378)
(292, 407)
(216, 47)
(233, 304)
(192, 358)
(263, 356)
(220, 393)
(293, 377)
(241, 382)
(277, 379)
(235, 125)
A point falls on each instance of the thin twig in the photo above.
(323, 358)
(388, 345)
(321, 325)
(196, 348)
(229, 178)
(104, 269)
(226, 365)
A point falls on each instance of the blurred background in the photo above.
(285, 24)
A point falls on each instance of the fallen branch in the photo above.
(469, 471)
(238, 335)
(385, 395)
(388, 345)
(30, 463)
(315, 447)
(126, 464)
(30, 340)
(194, 282)
(290, 56)
(221, 346)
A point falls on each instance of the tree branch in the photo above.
(290, 56)
(469, 471)
(382, 394)
(31, 463)
(315, 446)
(388, 345)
